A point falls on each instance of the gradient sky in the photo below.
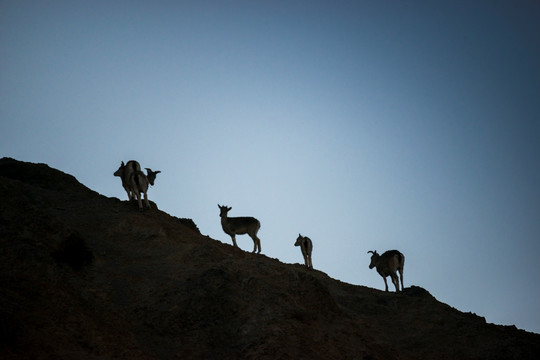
(365, 125)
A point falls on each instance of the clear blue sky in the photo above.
(412, 125)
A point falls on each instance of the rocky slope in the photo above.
(83, 276)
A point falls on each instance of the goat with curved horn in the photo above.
(387, 264)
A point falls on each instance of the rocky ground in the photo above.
(83, 276)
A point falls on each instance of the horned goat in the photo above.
(387, 264)
(139, 184)
(306, 245)
(240, 225)
(124, 172)
(151, 175)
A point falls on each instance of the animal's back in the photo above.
(133, 165)
(308, 244)
(244, 224)
(396, 253)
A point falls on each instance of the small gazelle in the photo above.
(240, 225)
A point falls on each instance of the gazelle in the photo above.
(124, 172)
(240, 225)
(139, 185)
(306, 245)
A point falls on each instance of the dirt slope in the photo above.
(83, 276)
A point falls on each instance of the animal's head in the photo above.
(120, 171)
(223, 210)
(299, 240)
(151, 175)
(374, 259)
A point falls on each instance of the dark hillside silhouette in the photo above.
(84, 276)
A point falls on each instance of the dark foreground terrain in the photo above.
(83, 276)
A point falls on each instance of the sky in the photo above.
(365, 125)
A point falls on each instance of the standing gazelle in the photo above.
(240, 225)
(306, 246)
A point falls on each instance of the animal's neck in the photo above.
(225, 224)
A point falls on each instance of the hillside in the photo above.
(84, 276)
